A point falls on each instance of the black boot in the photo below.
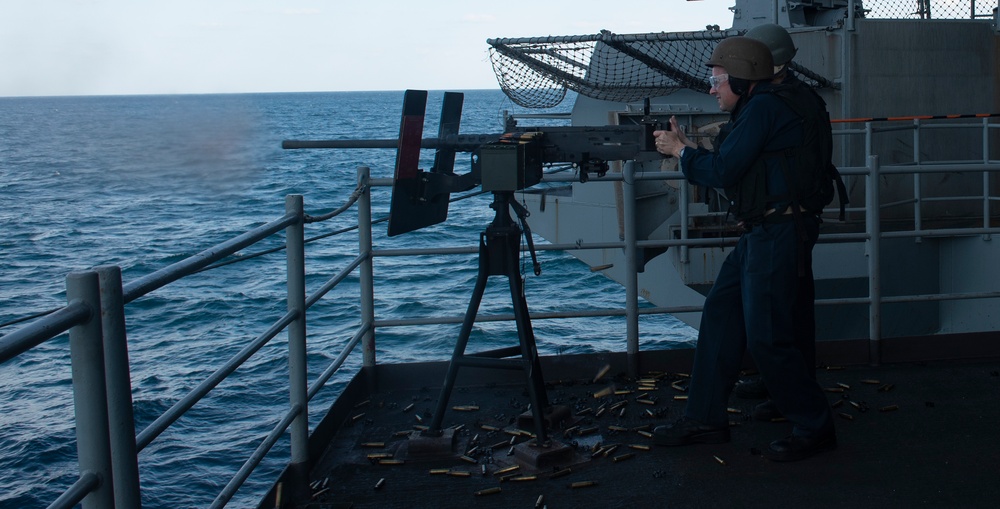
(689, 431)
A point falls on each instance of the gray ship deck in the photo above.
(910, 434)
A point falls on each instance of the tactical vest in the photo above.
(808, 169)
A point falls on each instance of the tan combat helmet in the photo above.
(777, 40)
(743, 58)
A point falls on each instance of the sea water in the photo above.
(145, 181)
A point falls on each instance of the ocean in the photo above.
(146, 181)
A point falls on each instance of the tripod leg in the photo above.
(463, 337)
(529, 352)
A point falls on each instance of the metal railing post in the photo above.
(873, 248)
(90, 398)
(631, 269)
(121, 417)
(298, 387)
(918, 219)
(366, 271)
(986, 177)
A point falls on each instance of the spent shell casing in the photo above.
(390, 462)
(459, 473)
(499, 445)
(468, 459)
(487, 427)
(843, 385)
(639, 447)
(483, 469)
(846, 416)
(645, 433)
(888, 408)
(601, 372)
(622, 457)
(523, 478)
(582, 484)
(720, 460)
(540, 502)
(622, 392)
(560, 473)
(886, 388)
(363, 403)
(465, 408)
(507, 470)
(379, 456)
(418, 418)
(607, 391)
(438, 471)
(609, 449)
(837, 403)
(618, 405)
(680, 398)
(488, 491)
(408, 407)
(373, 445)
(421, 427)
(870, 381)
(357, 417)
(833, 389)
(472, 451)
(320, 492)
(380, 483)
(645, 401)
(734, 410)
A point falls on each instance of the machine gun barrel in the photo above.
(458, 142)
(573, 144)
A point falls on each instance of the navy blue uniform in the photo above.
(751, 305)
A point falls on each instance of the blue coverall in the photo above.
(751, 304)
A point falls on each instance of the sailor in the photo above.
(783, 51)
(752, 303)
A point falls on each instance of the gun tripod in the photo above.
(499, 249)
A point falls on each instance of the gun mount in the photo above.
(509, 161)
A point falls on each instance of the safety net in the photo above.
(536, 72)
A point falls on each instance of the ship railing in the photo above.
(94, 317)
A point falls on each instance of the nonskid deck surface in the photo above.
(909, 435)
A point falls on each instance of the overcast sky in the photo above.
(86, 47)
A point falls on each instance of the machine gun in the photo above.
(510, 161)
(502, 164)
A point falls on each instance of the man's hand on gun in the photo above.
(671, 141)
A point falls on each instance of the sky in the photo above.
(117, 47)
